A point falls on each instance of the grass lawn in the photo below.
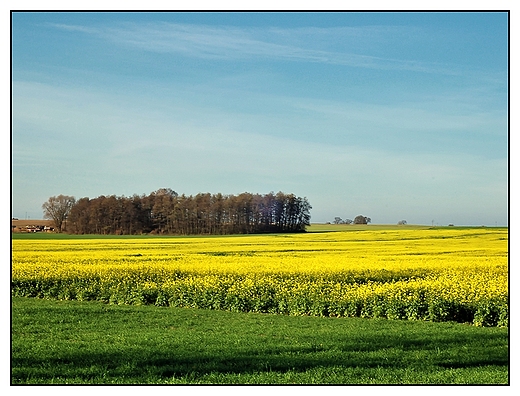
(71, 342)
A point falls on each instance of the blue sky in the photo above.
(390, 115)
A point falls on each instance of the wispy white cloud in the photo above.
(75, 28)
(439, 114)
(234, 43)
(117, 149)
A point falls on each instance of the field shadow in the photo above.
(142, 364)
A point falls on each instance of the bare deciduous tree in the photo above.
(57, 209)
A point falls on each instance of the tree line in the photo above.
(166, 212)
(357, 220)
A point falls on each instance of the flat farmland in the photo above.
(337, 305)
(411, 273)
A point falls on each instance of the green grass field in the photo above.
(71, 342)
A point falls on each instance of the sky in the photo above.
(392, 115)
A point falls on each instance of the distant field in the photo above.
(20, 223)
(413, 273)
(321, 227)
(315, 227)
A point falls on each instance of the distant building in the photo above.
(31, 225)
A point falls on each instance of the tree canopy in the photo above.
(57, 209)
(166, 212)
(362, 219)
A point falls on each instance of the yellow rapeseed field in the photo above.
(436, 274)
